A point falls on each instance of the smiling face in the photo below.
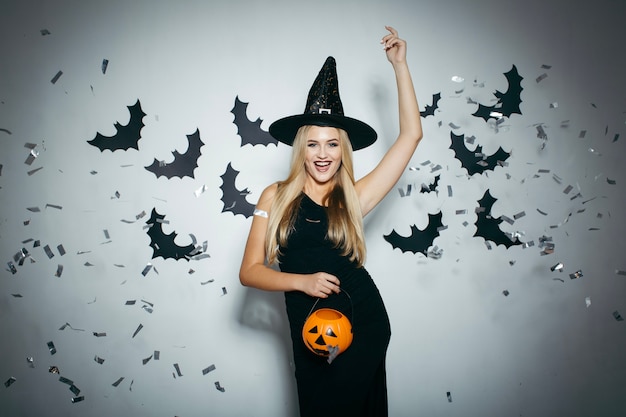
(323, 154)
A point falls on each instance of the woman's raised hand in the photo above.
(395, 48)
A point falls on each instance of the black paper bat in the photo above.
(183, 164)
(249, 131)
(488, 227)
(430, 109)
(431, 187)
(234, 200)
(474, 161)
(508, 102)
(163, 245)
(126, 137)
(419, 240)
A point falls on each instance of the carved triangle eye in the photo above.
(313, 329)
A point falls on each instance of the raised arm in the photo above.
(373, 187)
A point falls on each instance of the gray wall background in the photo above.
(552, 347)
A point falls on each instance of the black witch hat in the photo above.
(324, 108)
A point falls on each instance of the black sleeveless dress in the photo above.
(354, 384)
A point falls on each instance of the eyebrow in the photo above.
(318, 140)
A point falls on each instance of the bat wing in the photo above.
(163, 245)
(234, 199)
(508, 102)
(431, 187)
(419, 240)
(496, 158)
(430, 109)
(127, 136)
(488, 227)
(183, 164)
(469, 159)
(249, 131)
(474, 161)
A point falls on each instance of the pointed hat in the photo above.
(324, 108)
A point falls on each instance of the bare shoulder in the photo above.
(267, 197)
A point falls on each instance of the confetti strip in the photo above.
(577, 274)
(219, 387)
(138, 330)
(56, 77)
(208, 369)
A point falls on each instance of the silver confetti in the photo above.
(66, 380)
(56, 77)
(138, 330)
(98, 359)
(617, 316)
(577, 274)
(219, 387)
(200, 190)
(105, 64)
(118, 382)
(208, 369)
(78, 399)
(588, 301)
(51, 348)
(146, 269)
(9, 382)
(48, 251)
(177, 369)
(558, 267)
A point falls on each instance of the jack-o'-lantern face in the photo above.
(327, 332)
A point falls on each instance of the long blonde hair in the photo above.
(345, 220)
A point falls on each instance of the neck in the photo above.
(316, 191)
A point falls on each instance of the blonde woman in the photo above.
(311, 226)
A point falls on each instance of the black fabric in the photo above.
(354, 384)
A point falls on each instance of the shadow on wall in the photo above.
(264, 311)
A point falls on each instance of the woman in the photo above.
(311, 225)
